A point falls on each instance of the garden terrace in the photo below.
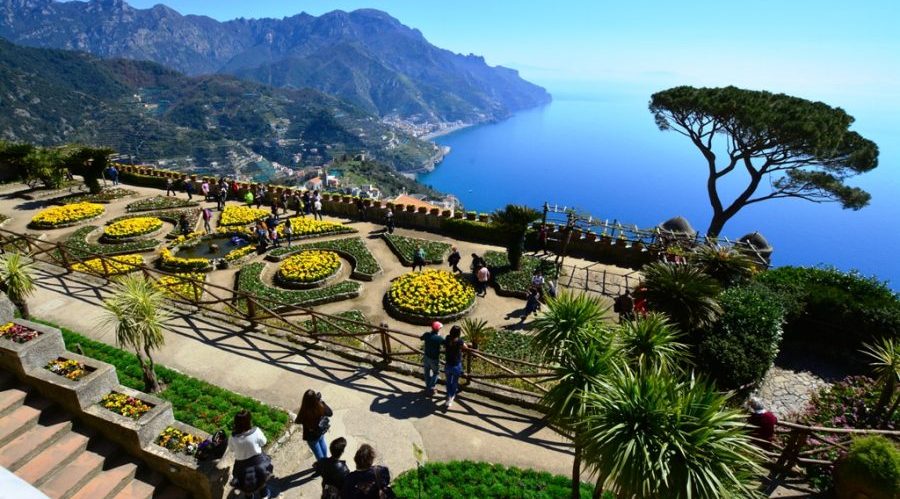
(365, 266)
(160, 203)
(405, 248)
(171, 216)
(105, 196)
(80, 247)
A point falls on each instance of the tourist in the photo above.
(315, 417)
(317, 207)
(537, 279)
(431, 358)
(252, 467)
(221, 198)
(260, 194)
(418, 258)
(170, 187)
(624, 306)
(298, 204)
(271, 222)
(389, 221)
(360, 209)
(113, 174)
(551, 288)
(248, 198)
(204, 188)
(453, 349)
(262, 237)
(454, 260)
(482, 277)
(307, 202)
(207, 216)
(184, 224)
(273, 237)
(334, 469)
(236, 190)
(274, 205)
(640, 303)
(288, 231)
(368, 481)
(532, 303)
(477, 263)
(763, 423)
(542, 239)
(188, 188)
(285, 199)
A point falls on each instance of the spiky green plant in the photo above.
(476, 331)
(727, 266)
(884, 358)
(513, 221)
(566, 320)
(136, 312)
(683, 292)
(649, 434)
(652, 342)
(17, 279)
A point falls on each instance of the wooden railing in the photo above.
(519, 380)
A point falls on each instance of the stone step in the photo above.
(30, 443)
(11, 399)
(73, 476)
(135, 489)
(42, 466)
(107, 483)
(13, 424)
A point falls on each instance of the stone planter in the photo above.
(34, 354)
(202, 479)
(130, 433)
(410, 209)
(459, 215)
(424, 320)
(471, 215)
(590, 237)
(484, 217)
(308, 285)
(446, 213)
(75, 396)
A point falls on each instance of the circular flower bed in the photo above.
(308, 268)
(132, 227)
(309, 227)
(65, 216)
(111, 265)
(421, 297)
(241, 215)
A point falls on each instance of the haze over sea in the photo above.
(600, 151)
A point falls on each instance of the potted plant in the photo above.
(410, 209)
(471, 215)
(484, 217)
(446, 213)
(421, 209)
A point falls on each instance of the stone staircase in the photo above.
(62, 458)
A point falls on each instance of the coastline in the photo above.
(446, 131)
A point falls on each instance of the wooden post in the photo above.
(105, 267)
(64, 256)
(468, 374)
(385, 343)
(788, 457)
(251, 312)
(603, 285)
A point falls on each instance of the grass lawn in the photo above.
(405, 248)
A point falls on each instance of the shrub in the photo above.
(517, 282)
(870, 469)
(834, 309)
(741, 346)
(405, 248)
(462, 479)
(160, 203)
(472, 230)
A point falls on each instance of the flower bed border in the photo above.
(133, 238)
(188, 204)
(45, 226)
(78, 244)
(423, 320)
(289, 284)
(324, 245)
(171, 216)
(264, 289)
(388, 239)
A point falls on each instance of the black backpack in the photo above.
(213, 447)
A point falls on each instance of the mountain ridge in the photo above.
(393, 69)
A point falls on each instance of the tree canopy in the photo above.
(803, 149)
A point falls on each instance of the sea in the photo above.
(601, 153)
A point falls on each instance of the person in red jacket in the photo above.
(762, 421)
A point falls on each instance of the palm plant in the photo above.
(17, 280)
(726, 265)
(513, 221)
(885, 363)
(578, 374)
(683, 292)
(136, 313)
(476, 331)
(652, 342)
(565, 320)
(649, 434)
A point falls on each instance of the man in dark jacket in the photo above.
(333, 469)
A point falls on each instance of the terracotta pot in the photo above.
(484, 217)
(422, 209)
(410, 209)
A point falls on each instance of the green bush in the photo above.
(160, 203)
(516, 282)
(465, 479)
(741, 346)
(405, 248)
(194, 401)
(472, 230)
(830, 308)
(874, 463)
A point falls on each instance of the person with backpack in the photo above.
(188, 188)
(454, 346)
(288, 231)
(454, 259)
(252, 467)
(431, 360)
(334, 470)
(368, 481)
(419, 258)
(389, 221)
(624, 306)
(170, 187)
(207, 216)
(315, 417)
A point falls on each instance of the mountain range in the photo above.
(365, 57)
(140, 108)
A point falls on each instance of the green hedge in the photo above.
(873, 465)
(742, 345)
(142, 180)
(405, 248)
(80, 247)
(249, 281)
(468, 479)
(472, 230)
(833, 309)
(194, 401)
(516, 282)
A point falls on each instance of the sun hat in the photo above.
(436, 326)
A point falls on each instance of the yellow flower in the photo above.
(240, 252)
(308, 226)
(132, 227)
(309, 266)
(241, 215)
(68, 214)
(170, 261)
(113, 265)
(431, 293)
(182, 286)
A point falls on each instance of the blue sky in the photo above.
(817, 49)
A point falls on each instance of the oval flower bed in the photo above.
(184, 286)
(124, 405)
(65, 216)
(68, 368)
(17, 333)
(167, 261)
(113, 265)
(305, 227)
(131, 228)
(241, 215)
(178, 441)
(238, 253)
(308, 269)
(420, 297)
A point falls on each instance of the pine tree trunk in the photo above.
(598, 488)
(576, 473)
(22, 305)
(151, 384)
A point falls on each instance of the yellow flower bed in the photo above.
(309, 266)
(432, 293)
(68, 214)
(241, 215)
(308, 226)
(132, 227)
(183, 286)
(115, 265)
(240, 252)
(168, 260)
(129, 407)
(185, 238)
(178, 441)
